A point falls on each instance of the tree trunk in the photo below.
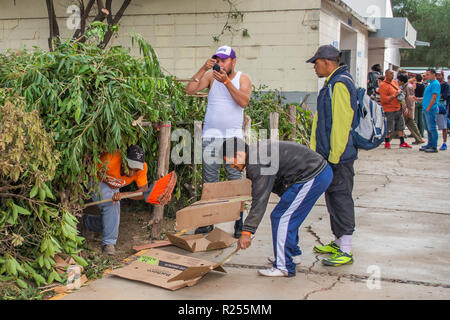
(112, 22)
(162, 170)
(53, 24)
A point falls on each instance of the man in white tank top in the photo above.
(228, 96)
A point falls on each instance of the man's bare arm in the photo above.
(202, 79)
(433, 100)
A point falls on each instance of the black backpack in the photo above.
(373, 83)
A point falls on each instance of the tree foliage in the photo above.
(431, 19)
(59, 111)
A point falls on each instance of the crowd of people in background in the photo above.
(420, 102)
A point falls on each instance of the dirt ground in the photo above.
(134, 229)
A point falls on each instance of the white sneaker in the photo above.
(295, 259)
(272, 272)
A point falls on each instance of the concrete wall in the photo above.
(283, 35)
(332, 22)
(386, 57)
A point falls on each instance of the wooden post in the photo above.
(247, 129)
(197, 153)
(274, 117)
(293, 121)
(162, 170)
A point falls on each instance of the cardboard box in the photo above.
(167, 270)
(216, 239)
(220, 202)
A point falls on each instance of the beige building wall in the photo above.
(283, 35)
(341, 29)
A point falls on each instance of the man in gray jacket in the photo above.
(294, 172)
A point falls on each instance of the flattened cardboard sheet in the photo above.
(220, 202)
(227, 189)
(167, 270)
(216, 239)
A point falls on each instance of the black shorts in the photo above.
(395, 121)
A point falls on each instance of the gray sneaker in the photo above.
(109, 249)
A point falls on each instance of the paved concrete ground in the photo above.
(402, 238)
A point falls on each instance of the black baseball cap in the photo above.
(326, 52)
(135, 157)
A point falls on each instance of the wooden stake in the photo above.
(274, 117)
(293, 121)
(161, 171)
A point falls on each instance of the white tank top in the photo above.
(224, 117)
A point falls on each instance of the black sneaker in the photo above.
(206, 229)
(238, 227)
(431, 150)
(423, 148)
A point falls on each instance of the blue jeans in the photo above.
(212, 162)
(108, 222)
(294, 206)
(431, 127)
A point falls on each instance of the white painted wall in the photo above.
(332, 22)
(377, 9)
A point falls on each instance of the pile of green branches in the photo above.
(264, 102)
(59, 111)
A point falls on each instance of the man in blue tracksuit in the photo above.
(294, 172)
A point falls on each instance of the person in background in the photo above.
(376, 94)
(441, 117)
(418, 93)
(389, 94)
(430, 108)
(372, 79)
(448, 107)
(408, 113)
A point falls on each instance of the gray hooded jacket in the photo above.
(274, 166)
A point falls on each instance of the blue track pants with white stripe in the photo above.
(295, 204)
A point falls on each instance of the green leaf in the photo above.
(41, 260)
(84, 69)
(42, 194)
(11, 267)
(22, 283)
(79, 260)
(22, 211)
(51, 278)
(78, 114)
(34, 191)
(39, 279)
(48, 192)
(57, 277)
